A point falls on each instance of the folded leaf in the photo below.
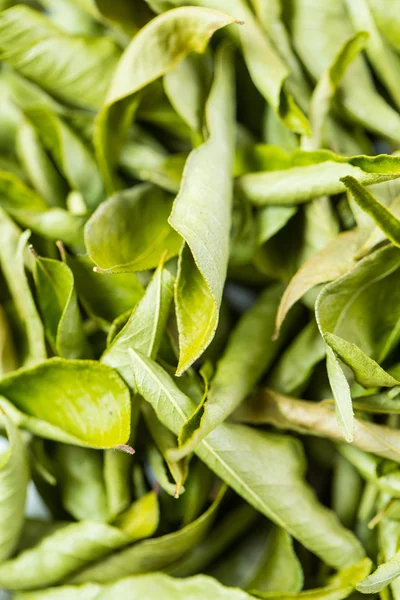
(78, 402)
(152, 555)
(310, 418)
(382, 216)
(109, 237)
(314, 174)
(249, 353)
(145, 586)
(201, 214)
(74, 69)
(12, 248)
(298, 512)
(149, 56)
(59, 308)
(14, 478)
(145, 326)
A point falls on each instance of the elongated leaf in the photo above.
(14, 477)
(81, 482)
(12, 263)
(59, 308)
(108, 233)
(382, 216)
(145, 586)
(384, 60)
(314, 174)
(60, 554)
(80, 402)
(71, 155)
(338, 257)
(201, 215)
(318, 33)
(117, 474)
(75, 69)
(145, 327)
(8, 355)
(299, 513)
(379, 579)
(312, 418)
(342, 395)
(249, 353)
(327, 86)
(192, 28)
(152, 555)
(39, 167)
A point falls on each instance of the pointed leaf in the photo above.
(342, 395)
(80, 402)
(149, 56)
(201, 215)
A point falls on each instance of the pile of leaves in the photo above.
(200, 299)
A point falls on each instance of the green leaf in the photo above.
(61, 553)
(141, 519)
(280, 570)
(186, 87)
(327, 86)
(249, 353)
(145, 326)
(12, 248)
(145, 586)
(314, 174)
(201, 215)
(341, 394)
(8, 356)
(379, 579)
(109, 238)
(383, 59)
(14, 478)
(74, 69)
(117, 473)
(238, 455)
(338, 257)
(59, 308)
(77, 402)
(39, 167)
(292, 372)
(80, 474)
(311, 418)
(318, 32)
(72, 156)
(191, 28)
(382, 216)
(155, 554)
